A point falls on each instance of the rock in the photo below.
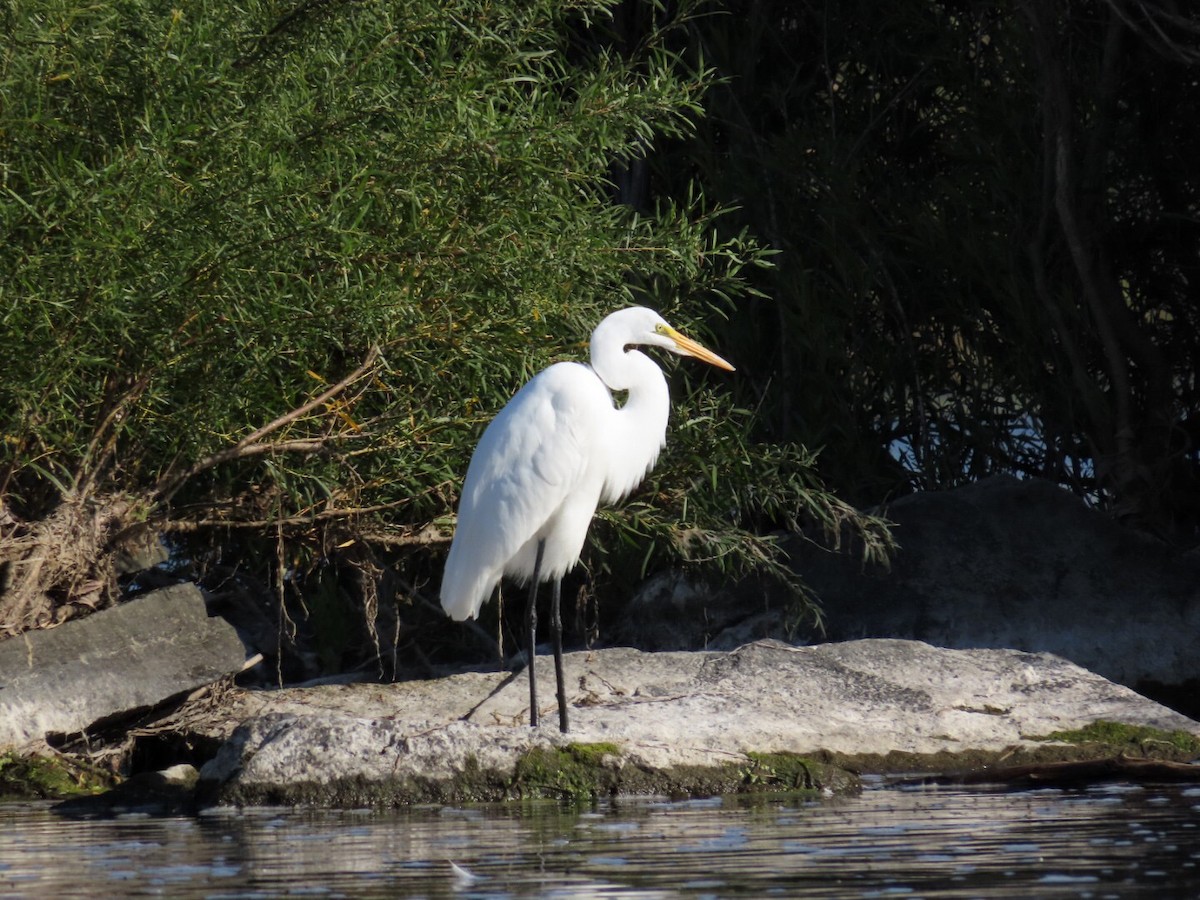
(669, 611)
(131, 656)
(655, 719)
(1023, 564)
(170, 792)
(141, 550)
(1001, 563)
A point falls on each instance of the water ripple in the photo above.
(929, 842)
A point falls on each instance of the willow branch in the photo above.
(103, 443)
(250, 445)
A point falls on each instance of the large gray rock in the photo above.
(1001, 563)
(1023, 564)
(668, 710)
(131, 656)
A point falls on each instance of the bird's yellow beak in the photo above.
(688, 347)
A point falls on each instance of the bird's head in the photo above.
(637, 325)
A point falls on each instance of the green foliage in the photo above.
(213, 212)
(272, 267)
(720, 501)
(24, 777)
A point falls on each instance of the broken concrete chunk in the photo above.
(132, 656)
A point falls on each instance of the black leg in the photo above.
(531, 633)
(556, 628)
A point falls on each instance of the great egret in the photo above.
(559, 447)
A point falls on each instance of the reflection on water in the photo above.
(1109, 841)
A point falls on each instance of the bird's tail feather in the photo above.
(462, 595)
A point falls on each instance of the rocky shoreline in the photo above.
(764, 716)
(759, 715)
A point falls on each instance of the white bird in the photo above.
(558, 448)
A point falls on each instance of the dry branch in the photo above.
(250, 445)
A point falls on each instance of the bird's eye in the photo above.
(660, 328)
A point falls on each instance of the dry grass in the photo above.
(61, 566)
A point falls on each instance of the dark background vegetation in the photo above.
(987, 218)
(269, 268)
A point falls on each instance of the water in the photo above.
(1107, 841)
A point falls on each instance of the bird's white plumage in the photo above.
(556, 450)
(529, 478)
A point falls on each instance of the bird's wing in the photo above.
(531, 457)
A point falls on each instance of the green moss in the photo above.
(45, 777)
(902, 762)
(586, 771)
(1141, 739)
(593, 753)
(1099, 740)
(792, 772)
(574, 772)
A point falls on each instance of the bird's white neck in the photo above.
(639, 428)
